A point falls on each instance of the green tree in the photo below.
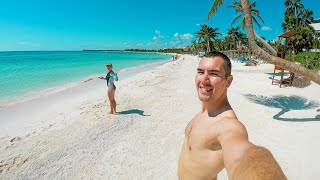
(254, 12)
(297, 18)
(207, 33)
(307, 16)
(289, 22)
(235, 35)
(236, 5)
(291, 66)
(194, 46)
(293, 8)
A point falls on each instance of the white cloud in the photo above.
(139, 44)
(197, 24)
(176, 35)
(155, 38)
(125, 43)
(266, 28)
(157, 32)
(187, 36)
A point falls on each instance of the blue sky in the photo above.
(121, 24)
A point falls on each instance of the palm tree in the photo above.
(235, 35)
(254, 12)
(304, 39)
(207, 33)
(294, 7)
(202, 45)
(307, 16)
(289, 22)
(291, 66)
(297, 18)
(194, 46)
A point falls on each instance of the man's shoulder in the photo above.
(231, 122)
(232, 126)
(228, 118)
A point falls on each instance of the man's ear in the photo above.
(229, 80)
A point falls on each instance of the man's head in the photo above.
(213, 76)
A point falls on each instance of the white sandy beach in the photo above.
(68, 135)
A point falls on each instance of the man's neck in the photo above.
(214, 108)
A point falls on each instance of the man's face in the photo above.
(109, 68)
(211, 81)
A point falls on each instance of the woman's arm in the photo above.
(115, 75)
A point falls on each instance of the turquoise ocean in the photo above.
(27, 71)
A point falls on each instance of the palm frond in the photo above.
(253, 4)
(214, 8)
(255, 20)
(235, 19)
(256, 12)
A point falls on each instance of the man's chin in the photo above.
(204, 98)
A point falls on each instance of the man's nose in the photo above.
(205, 78)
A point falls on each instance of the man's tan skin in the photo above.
(215, 138)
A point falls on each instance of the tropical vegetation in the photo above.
(208, 36)
(298, 19)
(167, 50)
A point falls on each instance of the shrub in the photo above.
(310, 60)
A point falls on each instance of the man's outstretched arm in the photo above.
(244, 160)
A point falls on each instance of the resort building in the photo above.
(316, 26)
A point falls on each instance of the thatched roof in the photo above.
(288, 34)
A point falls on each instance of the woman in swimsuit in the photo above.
(111, 77)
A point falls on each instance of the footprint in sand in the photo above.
(15, 139)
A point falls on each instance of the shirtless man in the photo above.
(215, 138)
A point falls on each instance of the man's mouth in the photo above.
(205, 89)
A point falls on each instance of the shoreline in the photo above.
(38, 93)
(15, 114)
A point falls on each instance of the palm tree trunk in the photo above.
(208, 46)
(249, 56)
(290, 66)
(265, 44)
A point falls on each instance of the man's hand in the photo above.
(117, 71)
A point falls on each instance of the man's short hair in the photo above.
(226, 60)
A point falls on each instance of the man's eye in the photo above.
(199, 72)
(213, 74)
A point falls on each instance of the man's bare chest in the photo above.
(201, 134)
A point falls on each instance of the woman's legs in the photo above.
(111, 93)
(114, 106)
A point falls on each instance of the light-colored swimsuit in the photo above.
(111, 77)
